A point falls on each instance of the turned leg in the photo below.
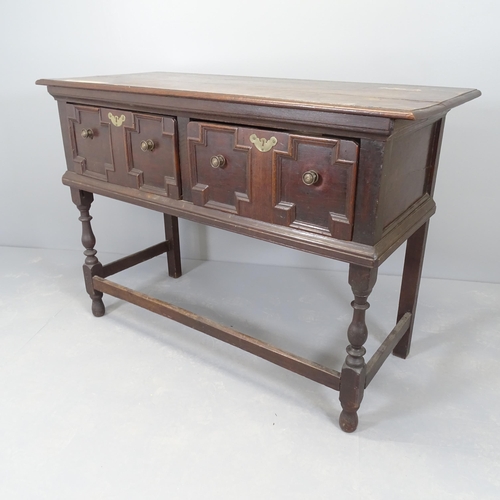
(352, 378)
(174, 251)
(92, 266)
(412, 271)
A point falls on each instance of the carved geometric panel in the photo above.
(92, 155)
(155, 170)
(266, 183)
(327, 206)
(106, 145)
(228, 186)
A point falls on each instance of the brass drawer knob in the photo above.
(217, 161)
(87, 133)
(148, 145)
(310, 177)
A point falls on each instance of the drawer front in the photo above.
(129, 149)
(295, 180)
(315, 185)
(226, 186)
(90, 141)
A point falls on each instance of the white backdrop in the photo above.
(426, 42)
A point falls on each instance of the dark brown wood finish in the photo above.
(352, 378)
(342, 170)
(410, 285)
(327, 205)
(92, 153)
(91, 267)
(346, 251)
(108, 144)
(338, 124)
(171, 224)
(133, 260)
(287, 360)
(227, 187)
(182, 125)
(409, 102)
(415, 247)
(270, 187)
(377, 360)
(155, 169)
(371, 162)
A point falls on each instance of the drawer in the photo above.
(129, 149)
(301, 181)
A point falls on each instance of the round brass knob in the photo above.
(148, 145)
(310, 177)
(87, 133)
(217, 161)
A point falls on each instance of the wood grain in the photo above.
(279, 357)
(372, 150)
(394, 101)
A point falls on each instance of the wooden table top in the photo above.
(408, 102)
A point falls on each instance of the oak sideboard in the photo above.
(342, 170)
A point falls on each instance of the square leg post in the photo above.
(412, 272)
(174, 251)
(91, 267)
(352, 378)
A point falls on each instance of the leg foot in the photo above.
(98, 308)
(352, 377)
(348, 421)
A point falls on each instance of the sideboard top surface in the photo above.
(408, 102)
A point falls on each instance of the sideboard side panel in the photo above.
(408, 164)
(434, 153)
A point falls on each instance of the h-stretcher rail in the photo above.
(309, 369)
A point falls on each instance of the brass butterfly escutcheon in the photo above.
(263, 145)
(116, 120)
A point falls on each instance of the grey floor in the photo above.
(134, 406)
